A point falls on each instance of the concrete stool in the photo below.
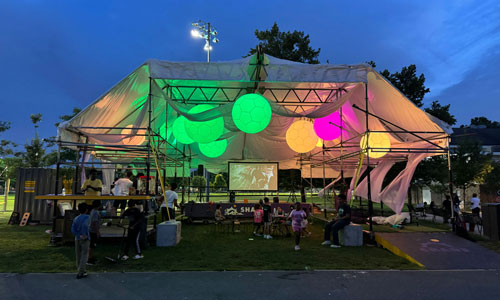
(168, 233)
(351, 235)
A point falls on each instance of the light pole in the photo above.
(205, 31)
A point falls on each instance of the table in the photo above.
(76, 198)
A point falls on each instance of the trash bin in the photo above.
(491, 220)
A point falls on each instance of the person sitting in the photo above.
(344, 219)
(219, 216)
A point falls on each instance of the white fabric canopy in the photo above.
(172, 84)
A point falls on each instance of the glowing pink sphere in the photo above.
(326, 131)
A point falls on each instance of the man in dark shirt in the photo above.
(267, 218)
(135, 218)
(344, 219)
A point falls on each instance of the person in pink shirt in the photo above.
(257, 219)
(297, 215)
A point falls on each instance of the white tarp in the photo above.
(168, 83)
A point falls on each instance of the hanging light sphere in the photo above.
(301, 137)
(137, 139)
(325, 129)
(204, 132)
(376, 140)
(213, 149)
(251, 113)
(180, 133)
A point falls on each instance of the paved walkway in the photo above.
(443, 250)
(274, 285)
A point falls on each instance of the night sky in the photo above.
(56, 55)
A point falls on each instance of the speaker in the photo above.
(232, 197)
(200, 170)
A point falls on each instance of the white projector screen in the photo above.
(253, 176)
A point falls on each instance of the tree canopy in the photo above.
(407, 81)
(441, 112)
(478, 121)
(288, 45)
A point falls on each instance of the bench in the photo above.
(351, 235)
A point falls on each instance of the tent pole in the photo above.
(148, 167)
(368, 179)
(324, 181)
(450, 179)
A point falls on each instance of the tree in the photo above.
(288, 45)
(219, 182)
(478, 121)
(441, 112)
(408, 83)
(34, 157)
(35, 119)
(4, 144)
(64, 118)
(469, 165)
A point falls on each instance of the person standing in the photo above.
(446, 209)
(92, 186)
(333, 227)
(80, 229)
(475, 210)
(297, 215)
(94, 230)
(122, 188)
(135, 218)
(267, 219)
(170, 203)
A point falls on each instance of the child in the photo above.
(219, 217)
(134, 230)
(94, 229)
(297, 215)
(304, 224)
(266, 208)
(257, 219)
(80, 228)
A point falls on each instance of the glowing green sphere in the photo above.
(213, 149)
(205, 131)
(180, 133)
(251, 113)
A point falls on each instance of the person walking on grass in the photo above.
(257, 219)
(94, 229)
(266, 208)
(333, 227)
(297, 215)
(135, 217)
(80, 229)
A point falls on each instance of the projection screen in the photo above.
(253, 176)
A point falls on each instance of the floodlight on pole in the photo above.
(207, 32)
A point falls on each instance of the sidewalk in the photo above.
(478, 284)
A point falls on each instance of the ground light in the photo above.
(213, 149)
(136, 139)
(251, 113)
(301, 137)
(327, 128)
(204, 132)
(376, 140)
(180, 133)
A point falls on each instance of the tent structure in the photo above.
(135, 120)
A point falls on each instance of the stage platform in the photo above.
(439, 250)
(117, 232)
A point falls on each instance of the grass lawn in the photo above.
(25, 249)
